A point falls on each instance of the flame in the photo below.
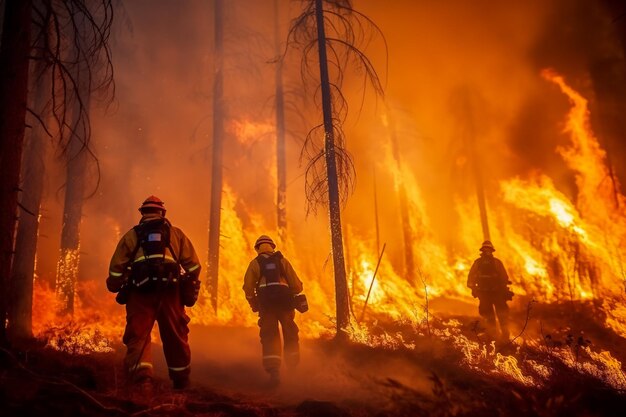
(247, 131)
(67, 275)
(95, 326)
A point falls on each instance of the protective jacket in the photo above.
(179, 249)
(253, 278)
(488, 275)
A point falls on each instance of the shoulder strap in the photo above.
(137, 229)
(168, 243)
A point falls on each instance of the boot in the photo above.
(274, 377)
(181, 383)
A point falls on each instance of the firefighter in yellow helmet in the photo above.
(489, 283)
(273, 289)
(145, 271)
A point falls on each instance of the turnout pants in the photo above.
(142, 310)
(490, 307)
(271, 340)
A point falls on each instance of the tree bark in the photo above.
(216, 166)
(281, 160)
(14, 62)
(76, 159)
(33, 171)
(341, 286)
(476, 162)
(405, 219)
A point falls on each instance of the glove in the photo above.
(474, 292)
(189, 290)
(122, 296)
(254, 304)
(300, 303)
(114, 284)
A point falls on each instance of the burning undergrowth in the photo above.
(564, 255)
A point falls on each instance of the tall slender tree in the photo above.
(281, 160)
(467, 132)
(76, 165)
(33, 172)
(217, 155)
(405, 219)
(14, 65)
(330, 172)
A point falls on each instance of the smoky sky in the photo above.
(482, 56)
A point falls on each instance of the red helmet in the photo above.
(153, 202)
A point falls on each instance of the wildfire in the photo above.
(247, 131)
(555, 247)
(95, 326)
(67, 273)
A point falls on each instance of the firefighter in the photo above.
(145, 271)
(271, 286)
(489, 282)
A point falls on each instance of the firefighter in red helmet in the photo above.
(145, 271)
(489, 283)
(273, 289)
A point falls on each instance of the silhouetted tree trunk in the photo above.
(33, 171)
(334, 211)
(69, 257)
(14, 56)
(405, 219)
(281, 161)
(76, 164)
(330, 173)
(476, 162)
(216, 166)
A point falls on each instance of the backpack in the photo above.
(273, 295)
(488, 276)
(152, 272)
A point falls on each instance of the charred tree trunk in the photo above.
(14, 55)
(76, 159)
(405, 219)
(216, 166)
(69, 257)
(341, 286)
(478, 177)
(33, 171)
(281, 161)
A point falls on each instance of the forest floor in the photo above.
(423, 375)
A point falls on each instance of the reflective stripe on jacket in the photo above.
(499, 281)
(253, 275)
(181, 245)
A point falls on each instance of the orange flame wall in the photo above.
(556, 219)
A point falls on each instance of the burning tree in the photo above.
(70, 39)
(330, 172)
(216, 162)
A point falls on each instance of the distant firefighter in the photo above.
(145, 271)
(489, 283)
(273, 289)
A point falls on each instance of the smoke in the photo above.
(456, 69)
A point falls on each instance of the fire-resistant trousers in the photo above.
(271, 341)
(486, 309)
(142, 310)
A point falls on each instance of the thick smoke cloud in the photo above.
(454, 67)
